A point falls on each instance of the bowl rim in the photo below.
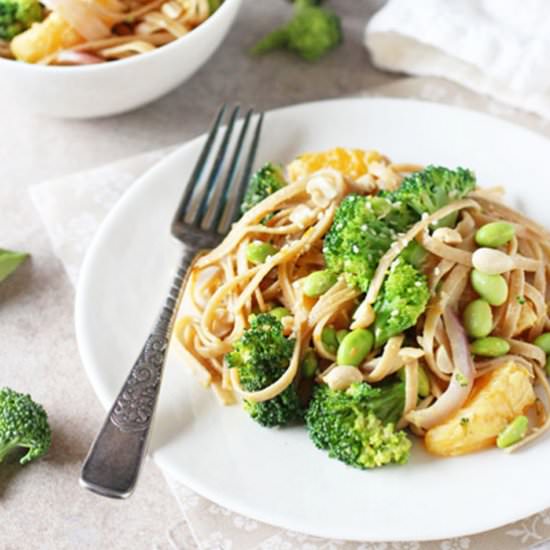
(97, 67)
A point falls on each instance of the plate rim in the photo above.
(179, 475)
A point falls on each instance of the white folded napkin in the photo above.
(73, 207)
(496, 47)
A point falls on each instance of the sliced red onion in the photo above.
(461, 382)
(77, 58)
(81, 17)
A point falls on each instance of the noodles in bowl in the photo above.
(369, 298)
(83, 32)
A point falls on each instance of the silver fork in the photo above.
(113, 463)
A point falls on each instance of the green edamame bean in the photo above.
(492, 288)
(423, 380)
(318, 282)
(514, 432)
(328, 337)
(495, 234)
(341, 334)
(258, 253)
(279, 312)
(490, 346)
(543, 342)
(355, 347)
(309, 364)
(478, 319)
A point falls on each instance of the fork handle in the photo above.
(113, 463)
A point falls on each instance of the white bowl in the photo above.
(110, 88)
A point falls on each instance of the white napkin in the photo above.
(73, 207)
(496, 47)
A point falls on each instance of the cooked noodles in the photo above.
(225, 289)
(82, 32)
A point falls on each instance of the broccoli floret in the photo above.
(23, 423)
(432, 188)
(358, 238)
(17, 16)
(357, 426)
(213, 5)
(403, 299)
(261, 355)
(268, 179)
(311, 33)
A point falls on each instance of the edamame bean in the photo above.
(318, 282)
(490, 346)
(423, 380)
(478, 319)
(309, 364)
(355, 347)
(279, 312)
(328, 337)
(259, 252)
(495, 234)
(543, 342)
(341, 334)
(514, 432)
(492, 288)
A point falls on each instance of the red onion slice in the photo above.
(77, 58)
(81, 17)
(461, 382)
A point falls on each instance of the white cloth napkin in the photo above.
(73, 207)
(496, 47)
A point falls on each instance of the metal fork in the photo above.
(113, 463)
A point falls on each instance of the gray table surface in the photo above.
(42, 506)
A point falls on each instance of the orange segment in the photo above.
(45, 38)
(353, 163)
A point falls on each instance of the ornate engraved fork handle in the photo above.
(114, 460)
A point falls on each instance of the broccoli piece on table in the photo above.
(311, 33)
(23, 423)
(427, 191)
(403, 298)
(17, 16)
(358, 238)
(357, 426)
(262, 354)
(266, 181)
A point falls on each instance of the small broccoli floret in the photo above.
(356, 426)
(311, 33)
(432, 188)
(358, 238)
(23, 423)
(403, 299)
(263, 183)
(262, 354)
(213, 5)
(17, 16)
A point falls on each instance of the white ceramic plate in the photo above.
(278, 476)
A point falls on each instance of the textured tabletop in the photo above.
(42, 506)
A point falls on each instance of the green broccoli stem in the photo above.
(273, 41)
(7, 448)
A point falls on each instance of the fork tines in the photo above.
(212, 203)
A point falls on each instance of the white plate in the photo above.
(278, 476)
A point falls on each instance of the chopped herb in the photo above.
(464, 421)
(520, 299)
(461, 379)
